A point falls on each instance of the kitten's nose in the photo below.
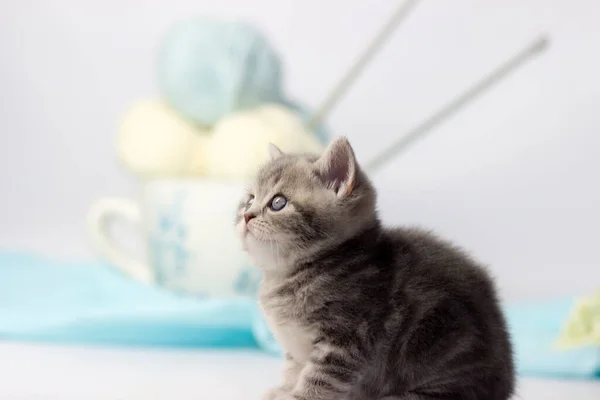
(248, 217)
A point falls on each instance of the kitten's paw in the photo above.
(275, 394)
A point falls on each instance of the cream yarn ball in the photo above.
(239, 143)
(154, 140)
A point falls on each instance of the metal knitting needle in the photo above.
(355, 69)
(419, 131)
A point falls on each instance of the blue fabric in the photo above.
(535, 327)
(209, 68)
(46, 300)
(93, 303)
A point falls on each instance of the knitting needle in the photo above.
(534, 48)
(355, 69)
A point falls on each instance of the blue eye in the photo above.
(277, 203)
(250, 201)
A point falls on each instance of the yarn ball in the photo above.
(239, 144)
(153, 140)
(583, 325)
(209, 68)
(321, 130)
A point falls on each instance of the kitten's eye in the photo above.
(277, 203)
(250, 201)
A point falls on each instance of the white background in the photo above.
(90, 374)
(514, 178)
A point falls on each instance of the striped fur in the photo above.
(365, 312)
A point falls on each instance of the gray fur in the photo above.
(366, 312)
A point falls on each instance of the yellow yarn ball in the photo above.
(239, 145)
(583, 325)
(153, 141)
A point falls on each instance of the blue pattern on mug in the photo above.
(167, 241)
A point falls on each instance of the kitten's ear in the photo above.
(337, 167)
(274, 151)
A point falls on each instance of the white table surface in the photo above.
(29, 371)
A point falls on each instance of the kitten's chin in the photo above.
(265, 255)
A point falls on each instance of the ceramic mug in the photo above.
(189, 236)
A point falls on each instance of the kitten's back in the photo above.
(463, 331)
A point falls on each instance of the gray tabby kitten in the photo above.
(365, 312)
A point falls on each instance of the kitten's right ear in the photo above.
(337, 167)
(274, 151)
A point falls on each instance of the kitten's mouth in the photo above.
(243, 233)
(248, 234)
(255, 236)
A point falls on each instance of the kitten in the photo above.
(365, 312)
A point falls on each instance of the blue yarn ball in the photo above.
(209, 68)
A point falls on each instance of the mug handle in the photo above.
(100, 213)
